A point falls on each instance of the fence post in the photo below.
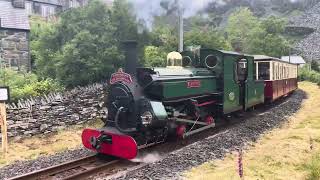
(3, 123)
(4, 97)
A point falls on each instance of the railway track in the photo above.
(76, 169)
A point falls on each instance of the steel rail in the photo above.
(74, 169)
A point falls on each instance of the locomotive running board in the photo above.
(198, 130)
(111, 143)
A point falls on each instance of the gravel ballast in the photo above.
(23, 167)
(217, 146)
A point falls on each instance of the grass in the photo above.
(313, 167)
(41, 145)
(283, 153)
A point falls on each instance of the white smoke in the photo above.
(147, 158)
(146, 9)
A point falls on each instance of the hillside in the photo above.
(309, 46)
(303, 20)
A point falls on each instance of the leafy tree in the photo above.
(165, 37)
(38, 28)
(247, 33)
(315, 66)
(124, 21)
(206, 39)
(154, 56)
(84, 46)
(242, 25)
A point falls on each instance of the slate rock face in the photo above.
(308, 24)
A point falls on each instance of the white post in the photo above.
(180, 27)
(3, 123)
(4, 97)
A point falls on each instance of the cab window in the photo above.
(241, 70)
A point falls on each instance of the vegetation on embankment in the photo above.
(47, 144)
(291, 152)
(23, 84)
(310, 74)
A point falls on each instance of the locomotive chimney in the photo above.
(131, 56)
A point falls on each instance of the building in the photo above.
(14, 35)
(294, 59)
(44, 8)
(47, 8)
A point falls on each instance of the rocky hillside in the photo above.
(261, 8)
(303, 16)
(309, 46)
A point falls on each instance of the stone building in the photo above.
(49, 8)
(14, 35)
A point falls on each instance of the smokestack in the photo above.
(131, 56)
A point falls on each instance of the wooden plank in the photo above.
(3, 123)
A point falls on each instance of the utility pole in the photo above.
(180, 26)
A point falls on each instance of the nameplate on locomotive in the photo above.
(120, 76)
(193, 83)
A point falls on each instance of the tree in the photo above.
(248, 34)
(38, 28)
(207, 39)
(315, 66)
(124, 21)
(242, 25)
(155, 56)
(85, 45)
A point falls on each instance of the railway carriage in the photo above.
(280, 76)
(195, 90)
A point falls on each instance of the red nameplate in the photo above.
(193, 83)
(120, 76)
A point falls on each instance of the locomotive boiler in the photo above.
(195, 89)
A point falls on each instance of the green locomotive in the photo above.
(146, 105)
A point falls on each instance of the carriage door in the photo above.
(241, 77)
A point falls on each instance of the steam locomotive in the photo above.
(197, 88)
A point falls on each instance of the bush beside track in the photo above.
(305, 74)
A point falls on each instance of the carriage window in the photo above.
(264, 71)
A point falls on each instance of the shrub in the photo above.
(309, 75)
(23, 85)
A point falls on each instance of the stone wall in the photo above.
(14, 49)
(55, 111)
